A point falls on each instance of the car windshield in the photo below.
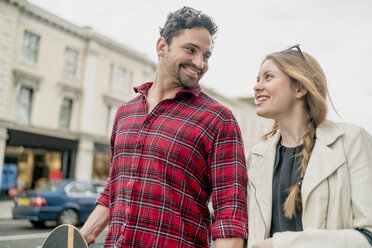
(50, 186)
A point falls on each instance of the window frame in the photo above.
(70, 65)
(68, 112)
(73, 93)
(25, 80)
(121, 78)
(29, 50)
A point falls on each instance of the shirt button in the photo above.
(130, 184)
(127, 211)
(147, 122)
(139, 146)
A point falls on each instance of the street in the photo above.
(21, 234)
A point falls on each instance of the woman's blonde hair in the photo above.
(303, 70)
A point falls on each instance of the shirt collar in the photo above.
(144, 88)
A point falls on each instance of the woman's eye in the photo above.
(268, 76)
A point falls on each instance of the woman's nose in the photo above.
(258, 86)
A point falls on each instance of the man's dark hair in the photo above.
(186, 18)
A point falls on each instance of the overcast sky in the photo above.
(338, 33)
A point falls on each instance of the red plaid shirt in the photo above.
(165, 166)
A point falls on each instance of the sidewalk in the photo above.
(6, 209)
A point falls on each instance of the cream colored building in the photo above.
(60, 86)
(251, 126)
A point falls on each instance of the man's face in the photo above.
(186, 57)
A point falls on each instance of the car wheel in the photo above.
(68, 216)
(38, 224)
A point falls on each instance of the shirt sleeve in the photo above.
(229, 182)
(104, 197)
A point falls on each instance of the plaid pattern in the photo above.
(165, 166)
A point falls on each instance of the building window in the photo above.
(111, 75)
(108, 124)
(120, 79)
(24, 105)
(71, 58)
(65, 113)
(30, 47)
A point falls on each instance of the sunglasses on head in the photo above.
(297, 46)
(189, 11)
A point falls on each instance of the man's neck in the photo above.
(159, 91)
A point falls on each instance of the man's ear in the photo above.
(161, 47)
(301, 92)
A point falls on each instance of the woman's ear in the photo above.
(161, 47)
(301, 92)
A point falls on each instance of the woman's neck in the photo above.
(293, 130)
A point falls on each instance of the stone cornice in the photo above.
(25, 78)
(122, 49)
(64, 87)
(47, 17)
(58, 133)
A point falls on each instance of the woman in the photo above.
(310, 180)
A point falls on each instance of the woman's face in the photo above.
(276, 96)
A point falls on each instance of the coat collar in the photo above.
(327, 132)
(327, 156)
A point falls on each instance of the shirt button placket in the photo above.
(139, 147)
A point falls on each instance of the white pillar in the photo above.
(84, 159)
(89, 85)
(8, 26)
(3, 137)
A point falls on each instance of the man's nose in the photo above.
(199, 61)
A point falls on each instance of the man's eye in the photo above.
(190, 50)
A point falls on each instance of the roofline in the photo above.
(84, 33)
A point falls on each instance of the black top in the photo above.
(286, 174)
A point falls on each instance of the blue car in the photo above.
(64, 201)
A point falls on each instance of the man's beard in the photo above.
(185, 81)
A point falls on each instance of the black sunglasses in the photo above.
(297, 46)
(189, 11)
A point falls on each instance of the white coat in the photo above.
(336, 191)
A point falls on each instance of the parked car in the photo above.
(65, 201)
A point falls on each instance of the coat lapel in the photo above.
(326, 157)
(261, 176)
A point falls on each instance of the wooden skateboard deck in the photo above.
(65, 236)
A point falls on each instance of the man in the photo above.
(173, 148)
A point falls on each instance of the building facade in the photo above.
(60, 86)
